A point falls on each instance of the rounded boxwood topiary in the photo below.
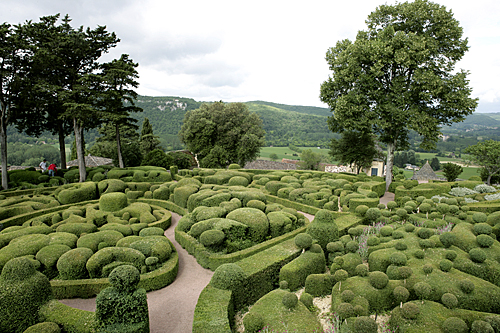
(449, 300)
(397, 234)
(372, 214)
(228, 277)
(477, 255)
(151, 231)
(335, 247)
(482, 229)
(290, 300)
(423, 290)
(373, 241)
(401, 294)
(419, 254)
(352, 246)
(454, 325)
(355, 232)
(494, 321)
(284, 285)
(253, 322)
(347, 296)
(467, 286)
(125, 278)
(212, 238)
(445, 265)
(304, 241)
(484, 240)
(401, 246)
(410, 310)
(378, 279)
(72, 264)
(398, 259)
(447, 239)
(391, 205)
(425, 233)
(112, 202)
(315, 248)
(386, 231)
(361, 210)
(402, 213)
(427, 268)
(362, 270)
(409, 227)
(479, 217)
(365, 325)
(345, 310)
(450, 255)
(307, 300)
(256, 204)
(481, 326)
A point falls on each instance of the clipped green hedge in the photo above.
(71, 320)
(427, 190)
(214, 311)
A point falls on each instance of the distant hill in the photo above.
(284, 124)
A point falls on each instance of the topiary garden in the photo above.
(430, 251)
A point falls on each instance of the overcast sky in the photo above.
(239, 51)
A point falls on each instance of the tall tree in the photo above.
(149, 141)
(487, 155)
(355, 149)
(119, 77)
(399, 75)
(15, 62)
(309, 160)
(221, 134)
(40, 107)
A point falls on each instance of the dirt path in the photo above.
(171, 309)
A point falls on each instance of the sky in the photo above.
(239, 51)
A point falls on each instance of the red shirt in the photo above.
(52, 167)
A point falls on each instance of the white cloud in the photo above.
(241, 51)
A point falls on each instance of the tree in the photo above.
(273, 157)
(119, 77)
(149, 141)
(451, 171)
(15, 62)
(355, 149)
(435, 164)
(487, 155)
(309, 160)
(399, 75)
(222, 134)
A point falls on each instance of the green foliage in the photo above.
(228, 277)
(449, 300)
(23, 290)
(290, 300)
(309, 160)
(477, 255)
(451, 171)
(365, 325)
(157, 157)
(487, 155)
(355, 149)
(410, 310)
(481, 326)
(303, 241)
(378, 279)
(222, 134)
(455, 325)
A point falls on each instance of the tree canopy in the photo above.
(355, 149)
(222, 134)
(487, 155)
(399, 75)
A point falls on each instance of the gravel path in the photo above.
(171, 309)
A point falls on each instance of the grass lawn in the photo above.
(466, 174)
(285, 152)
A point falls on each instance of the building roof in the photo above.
(426, 173)
(92, 161)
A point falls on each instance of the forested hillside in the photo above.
(284, 124)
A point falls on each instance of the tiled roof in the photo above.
(92, 161)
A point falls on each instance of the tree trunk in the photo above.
(80, 151)
(488, 181)
(62, 147)
(389, 164)
(3, 148)
(119, 148)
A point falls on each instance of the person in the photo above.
(52, 169)
(43, 165)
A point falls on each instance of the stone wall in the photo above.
(270, 165)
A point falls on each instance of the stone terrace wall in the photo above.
(270, 165)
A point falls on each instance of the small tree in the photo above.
(435, 164)
(487, 155)
(273, 157)
(451, 171)
(309, 160)
(149, 141)
(355, 149)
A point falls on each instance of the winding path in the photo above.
(171, 309)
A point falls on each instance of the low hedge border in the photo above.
(427, 190)
(292, 204)
(215, 309)
(70, 320)
(169, 205)
(211, 261)
(487, 207)
(87, 288)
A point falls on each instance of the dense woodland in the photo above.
(285, 125)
